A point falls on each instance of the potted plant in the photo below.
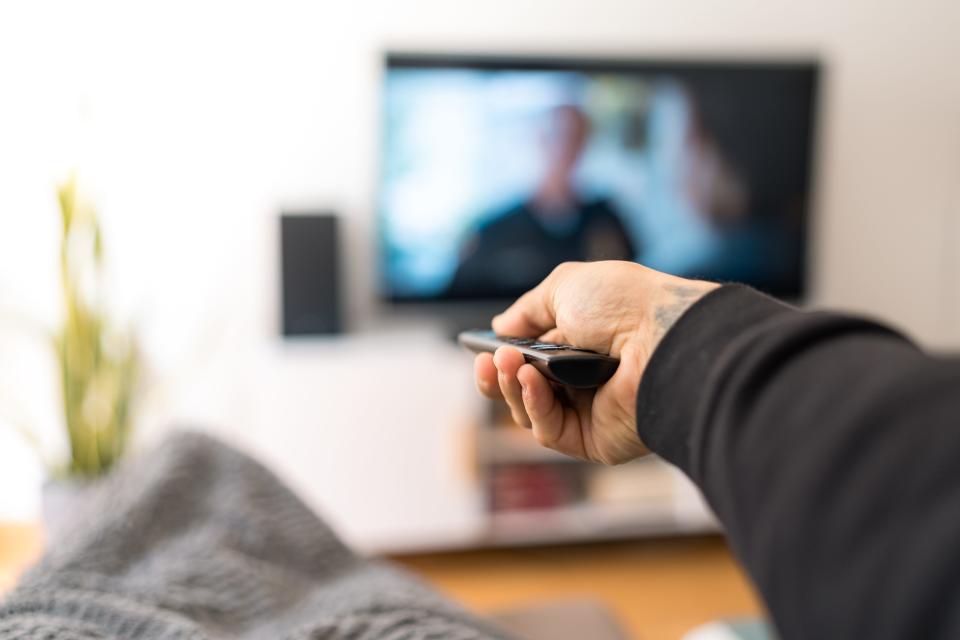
(98, 364)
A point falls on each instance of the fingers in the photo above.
(528, 394)
(543, 408)
(533, 313)
(532, 401)
(508, 361)
(485, 374)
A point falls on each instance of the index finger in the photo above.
(485, 375)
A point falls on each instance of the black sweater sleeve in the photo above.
(829, 448)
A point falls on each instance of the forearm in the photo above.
(826, 446)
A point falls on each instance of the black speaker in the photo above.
(309, 249)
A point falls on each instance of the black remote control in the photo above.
(562, 363)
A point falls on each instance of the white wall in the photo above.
(193, 123)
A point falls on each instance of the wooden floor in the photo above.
(656, 588)
(20, 545)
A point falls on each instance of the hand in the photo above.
(620, 308)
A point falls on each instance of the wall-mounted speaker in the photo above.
(310, 264)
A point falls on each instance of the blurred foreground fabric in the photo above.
(196, 540)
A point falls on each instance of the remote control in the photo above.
(562, 363)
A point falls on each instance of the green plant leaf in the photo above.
(98, 380)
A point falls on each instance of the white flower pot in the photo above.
(60, 498)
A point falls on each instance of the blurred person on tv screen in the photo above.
(523, 243)
(492, 175)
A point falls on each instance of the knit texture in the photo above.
(196, 540)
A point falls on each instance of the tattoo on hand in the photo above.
(683, 298)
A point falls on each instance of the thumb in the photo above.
(531, 315)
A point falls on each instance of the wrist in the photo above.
(675, 298)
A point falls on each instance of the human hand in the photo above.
(620, 308)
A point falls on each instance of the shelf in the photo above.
(644, 498)
(585, 521)
(647, 497)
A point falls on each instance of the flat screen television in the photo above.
(495, 169)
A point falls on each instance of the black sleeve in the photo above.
(829, 448)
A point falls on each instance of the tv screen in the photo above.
(495, 170)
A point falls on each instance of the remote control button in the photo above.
(519, 342)
(546, 346)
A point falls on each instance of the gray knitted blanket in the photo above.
(196, 540)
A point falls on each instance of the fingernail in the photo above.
(523, 390)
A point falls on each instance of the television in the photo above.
(496, 169)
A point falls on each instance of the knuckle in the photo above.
(543, 438)
(520, 418)
(564, 267)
